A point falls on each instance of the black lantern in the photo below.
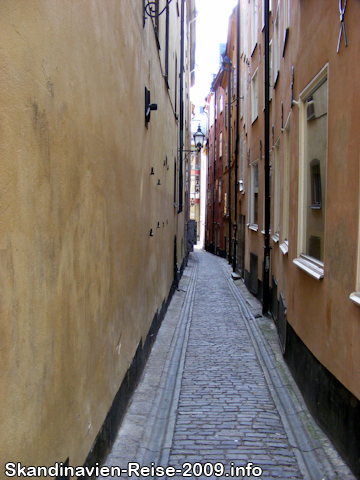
(199, 139)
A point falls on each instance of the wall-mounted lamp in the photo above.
(148, 106)
(199, 137)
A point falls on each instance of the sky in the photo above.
(211, 29)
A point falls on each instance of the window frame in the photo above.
(277, 188)
(311, 265)
(284, 246)
(254, 222)
(255, 96)
(276, 45)
(254, 14)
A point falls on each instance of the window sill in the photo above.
(253, 227)
(275, 238)
(284, 247)
(355, 297)
(316, 270)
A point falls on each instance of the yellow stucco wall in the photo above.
(80, 278)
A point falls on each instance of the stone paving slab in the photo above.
(220, 395)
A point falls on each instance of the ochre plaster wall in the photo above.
(80, 278)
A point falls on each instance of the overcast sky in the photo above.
(211, 30)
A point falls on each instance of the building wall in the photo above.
(81, 279)
(320, 289)
(319, 320)
(215, 211)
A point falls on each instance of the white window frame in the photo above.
(241, 166)
(253, 225)
(270, 74)
(221, 102)
(254, 96)
(284, 246)
(312, 266)
(254, 23)
(276, 46)
(355, 296)
(286, 15)
(286, 22)
(277, 188)
(263, 12)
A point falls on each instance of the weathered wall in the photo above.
(80, 278)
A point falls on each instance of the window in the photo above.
(276, 44)
(233, 83)
(167, 30)
(254, 97)
(175, 182)
(241, 96)
(220, 190)
(276, 176)
(312, 175)
(270, 74)
(315, 184)
(176, 77)
(286, 21)
(286, 191)
(263, 12)
(254, 205)
(221, 145)
(271, 84)
(241, 169)
(221, 103)
(254, 23)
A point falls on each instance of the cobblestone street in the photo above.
(216, 392)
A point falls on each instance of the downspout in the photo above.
(182, 48)
(214, 185)
(237, 123)
(266, 272)
(229, 158)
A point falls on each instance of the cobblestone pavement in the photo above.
(222, 397)
(226, 412)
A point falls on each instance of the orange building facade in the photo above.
(314, 194)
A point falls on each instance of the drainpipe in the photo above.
(214, 184)
(182, 47)
(237, 124)
(266, 272)
(229, 158)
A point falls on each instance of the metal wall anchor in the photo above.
(342, 26)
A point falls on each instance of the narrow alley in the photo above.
(216, 399)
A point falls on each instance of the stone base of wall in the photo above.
(335, 409)
(108, 432)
